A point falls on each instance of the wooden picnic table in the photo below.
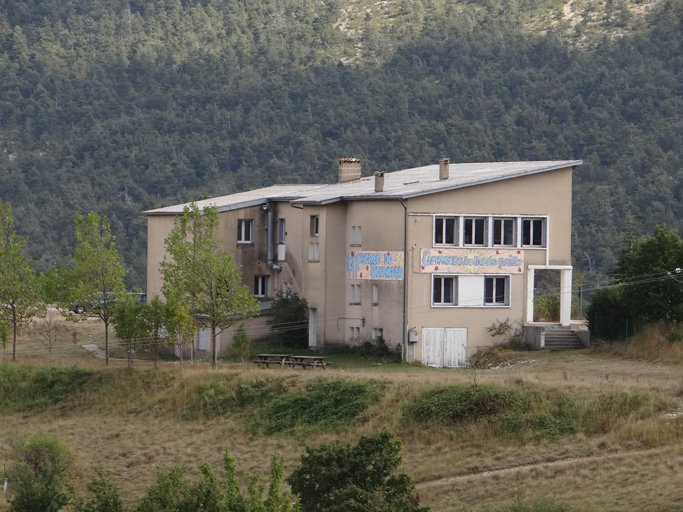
(268, 359)
(305, 361)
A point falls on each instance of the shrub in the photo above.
(104, 497)
(241, 343)
(339, 478)
(39, 475)
(289, 319)
(675, 333)
(324, 405)
(608, 314)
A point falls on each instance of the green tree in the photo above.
(20, 296)
(241, 343)
(97, 274)
(646, 267)
(129, 325)
(180, 327)
(202, 277)
(39, 475)
(104, 497)
(362, 478)
(288, 319)
(153, 319)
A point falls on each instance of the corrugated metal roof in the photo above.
(425, 180)
(403, 184)
(241, 199)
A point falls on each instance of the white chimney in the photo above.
(444, 168)
(349, 169)
(379, 181)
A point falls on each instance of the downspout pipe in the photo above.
(271, 238)
(405, 275)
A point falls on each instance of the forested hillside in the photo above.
(120, 106)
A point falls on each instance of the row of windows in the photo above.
(245, 232)
(489, 231)
(354, 333)
(354, 294)
(496, 291)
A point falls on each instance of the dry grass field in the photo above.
(128, 423)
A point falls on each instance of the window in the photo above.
(354, 297)
(354, 333)
(355, 235)
(313, 251)
(261, 286)
(496, 291)
(445, 231)
(445, 291)
(281, 231)
(533, 232)
(245, 231)
(375, 294)
(504, 232)
(315, 223)
(475, 231)
(377, 333)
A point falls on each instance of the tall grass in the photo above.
(529, 413)
(649, 344)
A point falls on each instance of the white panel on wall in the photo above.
(470, 290)
(432, 347)
(455, 348)
(202, 339)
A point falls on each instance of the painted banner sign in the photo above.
(472, 261)
(375, 265)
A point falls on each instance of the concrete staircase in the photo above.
(562, 338)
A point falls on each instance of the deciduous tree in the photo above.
(202, 277)
(20, 299)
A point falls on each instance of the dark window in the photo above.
(445, 231)
(504, 232)
(245, 230)
(445, 291)
(533, 232)
(475, 231)
(496, 291)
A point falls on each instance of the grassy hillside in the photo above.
(119, 106)
(568, 416)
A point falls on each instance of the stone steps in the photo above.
(562, 339)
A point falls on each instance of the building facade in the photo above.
(427, 258)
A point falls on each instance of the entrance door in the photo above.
(444, 348)
(312, 327)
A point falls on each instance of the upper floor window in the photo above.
(315, 224)
(281, 231)
(356, 237)
(313, 251)
(446, 230)
(533, 232)
(444, 291)
(475, 231)
(354, 296)
(375, 294)
(497, 291)
(261, 286)
(504, 232)
(245, 231)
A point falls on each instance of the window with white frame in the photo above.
(261, 286)
(474, 231)
(354, 333)
(446, 230)
(313, 251)
(444, 291)
(356, 238)
(377, 333)
(245, 231)
(504, 231)
(375, 294)
(497, 291)
(354, 296)
(533, 232)
(281, 231)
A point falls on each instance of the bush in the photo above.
(241, 343)
(340, 478)
(675, 334)
(608, 314)
(104, 497)
(39, 475)
(325, 405)
(289, 319)
(378, 350)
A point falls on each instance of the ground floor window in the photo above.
(496, 291)
(354, 333)
(444, 291)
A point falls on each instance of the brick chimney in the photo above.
(379, 181)
(349, 169)
(444, 168)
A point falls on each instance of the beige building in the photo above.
(427, 258)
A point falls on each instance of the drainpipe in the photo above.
(271, 235)
(404, 349)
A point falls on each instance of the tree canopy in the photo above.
(202, 277)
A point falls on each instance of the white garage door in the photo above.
(444, 348)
